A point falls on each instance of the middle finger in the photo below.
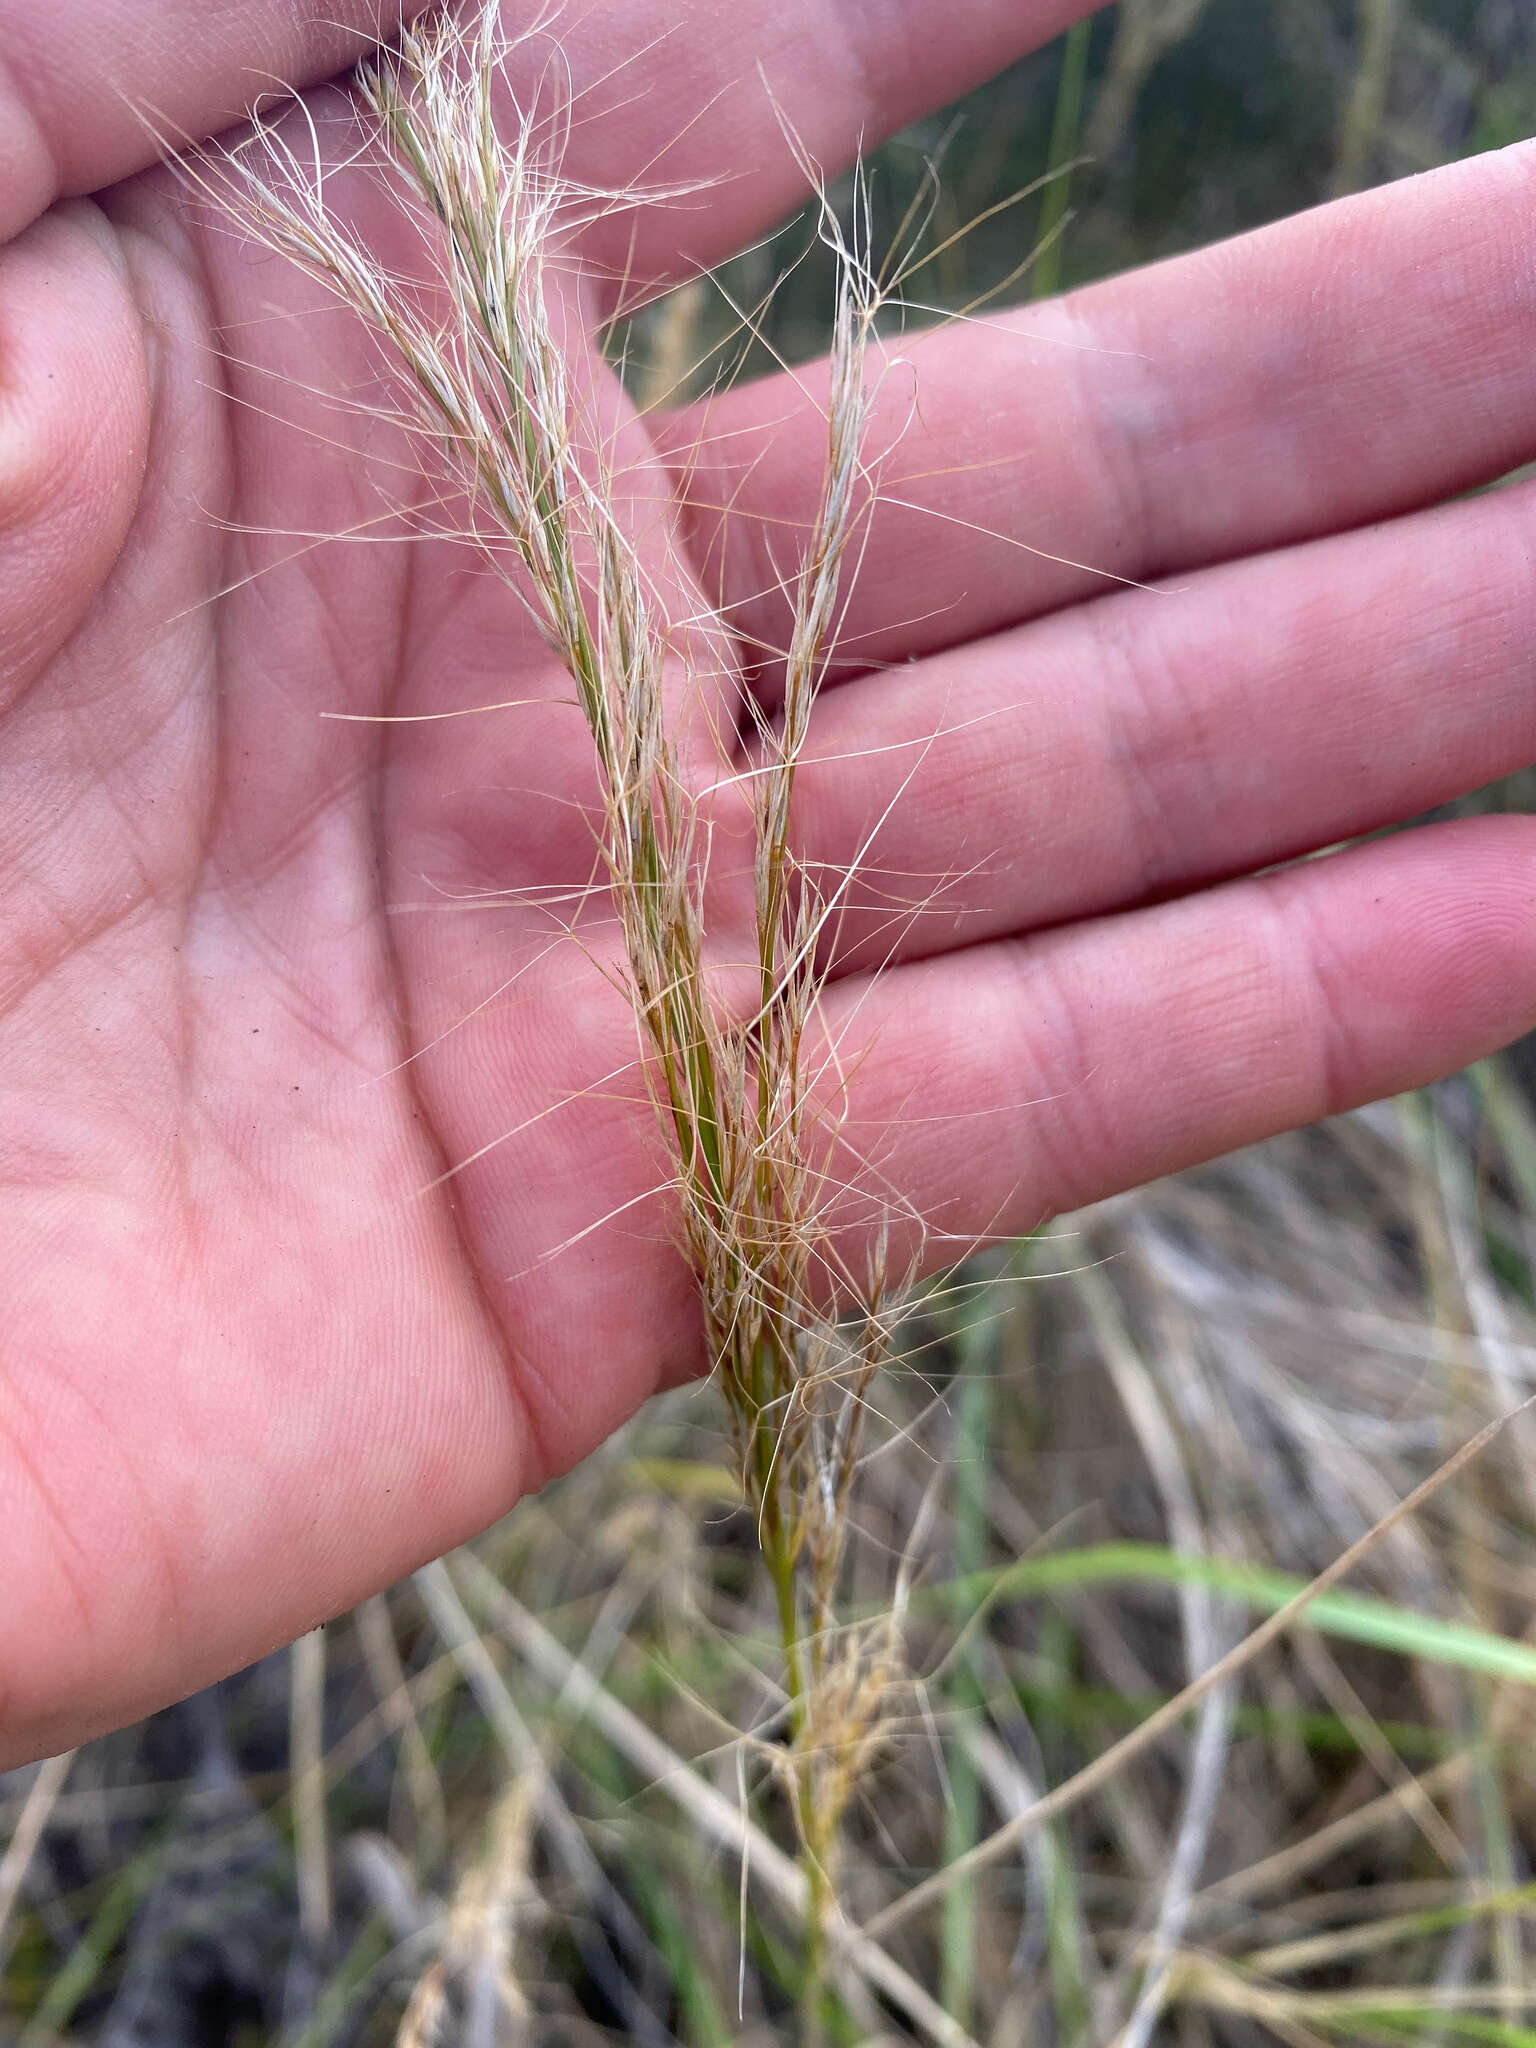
(1156, 741)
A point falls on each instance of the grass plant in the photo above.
(794, 1335)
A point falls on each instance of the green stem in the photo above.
(972, 1442)
(779, 1556)
(1065, 130)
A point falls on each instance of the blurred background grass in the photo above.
(491, 1802)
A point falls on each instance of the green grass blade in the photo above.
(1064, 134)
(972, 1400)
(93, 1951)
(1356, 1617)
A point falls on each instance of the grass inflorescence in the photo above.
(795, 1335)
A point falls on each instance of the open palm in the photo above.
(309, 1112)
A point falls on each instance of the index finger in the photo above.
(1341, 367)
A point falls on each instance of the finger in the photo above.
(1355, 362)
(88, 86)
(74, 423)
(1159, 740)
(660, 97)
(1027, 1078)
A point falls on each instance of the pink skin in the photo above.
(260, 1359)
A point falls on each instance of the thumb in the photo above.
(74, 419)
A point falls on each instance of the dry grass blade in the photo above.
(1168, 1716)
(41, 1798)
(307, 1768)
(1274, 1873)
(479, 1942)
(522, 1752)
(1379, 22)
(1144, 29)
(537, 1793)
(376, 1634)
(717, 1819)
(1136, 1386)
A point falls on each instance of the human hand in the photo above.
(262, 1356)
